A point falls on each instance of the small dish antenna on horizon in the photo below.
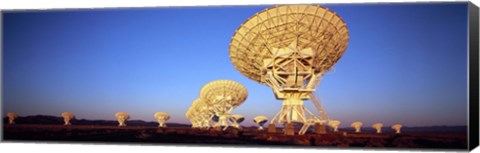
(161, 117)
(11, 117)
(260, 120)
(67, 116)
(378, 127)
(121, 118)
(397, 128)
(334, 124)
(357, 126)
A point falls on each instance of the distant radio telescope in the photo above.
(290, 48)
(334, 124)
(161, 118)
(199, 114)
(397, 128)
(378, 127)
(223, 96)
(357, 126)
(236, 119)
(260, 120)
(192, 118)
(11, 117)
(121, 118)
(67, 116)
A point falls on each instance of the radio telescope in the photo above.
(223, 96)
(334, 124)
(378, 127)
(260, 120)
(397, 128)
(11, 117)
(121, 118)
(357, 126)
(191, 115)
(199, 114)
(67, 116)
(161, 118)
(290, 48)
(192, 118)
(236, 120)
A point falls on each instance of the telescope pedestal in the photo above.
(217, 128)
(67, 121)
(223, 121)
(272, 128)
(292, 109)
(161, 122)
(320, 129)
(289, 129)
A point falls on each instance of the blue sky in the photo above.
(405, 63)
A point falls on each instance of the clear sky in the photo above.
(405, 63)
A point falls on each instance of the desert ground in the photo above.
(248, 136)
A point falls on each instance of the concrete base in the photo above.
(289, 129)
(320, 129)
(272, 128)
(217, 128)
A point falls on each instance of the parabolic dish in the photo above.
(196, 102)
(312, 26)
(260, 119)
(202, 107)
(162, 115)
(122, 114)
(223, 89)
(237, 118)
(67, 114)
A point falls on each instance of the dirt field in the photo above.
(245, 137)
